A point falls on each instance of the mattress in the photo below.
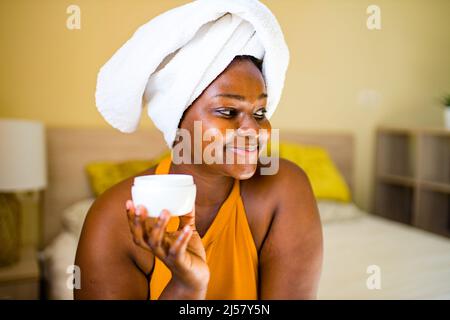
(410, 263)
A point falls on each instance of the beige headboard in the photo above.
(70, 149)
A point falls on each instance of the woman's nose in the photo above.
(249, 127)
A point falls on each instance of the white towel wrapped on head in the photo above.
(171, 59)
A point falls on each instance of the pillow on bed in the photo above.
(326, 180)
(103, 175)
(60, 253)
(74, 215)
(334, 211)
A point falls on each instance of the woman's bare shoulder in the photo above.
(277, 180)
(106, 223)
(112, 201)
(262, 195)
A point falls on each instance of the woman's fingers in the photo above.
(136, 216)
(151, 234)
(157, 228)
(178, 248)
(131, 215)
(138, 224)
(153, 231)
(188, 220)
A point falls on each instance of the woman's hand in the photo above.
(181, 251)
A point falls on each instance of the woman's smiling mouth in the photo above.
(249, 150)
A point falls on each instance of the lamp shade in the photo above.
(22, 155)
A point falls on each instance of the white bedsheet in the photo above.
(414, 264)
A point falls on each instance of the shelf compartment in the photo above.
(396, 152)
(433, 212)
(394, 201)
(435, 158)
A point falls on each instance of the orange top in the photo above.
(230, 251)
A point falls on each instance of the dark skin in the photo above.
(116, 250)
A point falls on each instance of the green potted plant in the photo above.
(446, 103)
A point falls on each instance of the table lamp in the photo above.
(22, 168)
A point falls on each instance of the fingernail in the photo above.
(128, 204)
(138, 210)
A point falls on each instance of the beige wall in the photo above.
(48, 72)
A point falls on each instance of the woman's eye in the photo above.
(230, 112)
(227, 112)
(260, 114)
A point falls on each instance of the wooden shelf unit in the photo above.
(412, 177)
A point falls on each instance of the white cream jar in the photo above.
(174, 192)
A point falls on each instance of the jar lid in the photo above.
(164, 180)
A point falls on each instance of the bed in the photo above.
(408, 263)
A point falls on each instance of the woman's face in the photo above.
(235, 100)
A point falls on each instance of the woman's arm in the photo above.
(116, 262)
(291, 255)
(105, 255)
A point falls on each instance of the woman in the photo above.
(280, 210)
(249, 236)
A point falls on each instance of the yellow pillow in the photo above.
(326, 180)
(103, 175)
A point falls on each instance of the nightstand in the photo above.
(21, 280)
